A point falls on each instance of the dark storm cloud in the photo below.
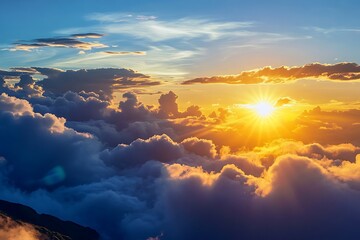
(339, 71)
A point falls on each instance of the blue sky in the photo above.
(181, 39)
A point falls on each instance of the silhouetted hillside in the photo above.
(49, 227)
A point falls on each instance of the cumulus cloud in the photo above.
(168, 108)
(160, 148)
(339, 71)
(200, 147)
(20, 126)
(289, 196)
(160, 187)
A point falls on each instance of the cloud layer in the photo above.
(155, 172)
(339, 71)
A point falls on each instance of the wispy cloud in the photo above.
(154, 29)
(155, 60)
(123, 53)
(166, 46)
(87, 35)
(332, 30)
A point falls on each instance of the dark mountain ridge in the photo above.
(48, 226)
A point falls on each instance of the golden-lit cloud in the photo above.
(284, 101)
(339, 71)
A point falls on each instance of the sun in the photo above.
(263, 109)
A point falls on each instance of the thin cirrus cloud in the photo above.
(332, 30)
(153, 29)
(339, 71)
(166, 41)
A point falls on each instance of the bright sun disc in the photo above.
(263, 109)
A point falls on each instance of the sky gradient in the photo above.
(172, 120)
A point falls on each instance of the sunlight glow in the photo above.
(264, 109)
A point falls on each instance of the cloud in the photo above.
(136, 53)
(200, 147)
(75, 107)
(160, 148)
(15, 106)
(224, 201)
(153, 29)
(87, 35)
(330, 127)
(135, 171)
(339, 71)
(161, 187)
(284, 101)
(15, 73)
(102, 81)
(62, 42)
(31, 171)
(24, 70)
(168, 108)
(332, 30)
